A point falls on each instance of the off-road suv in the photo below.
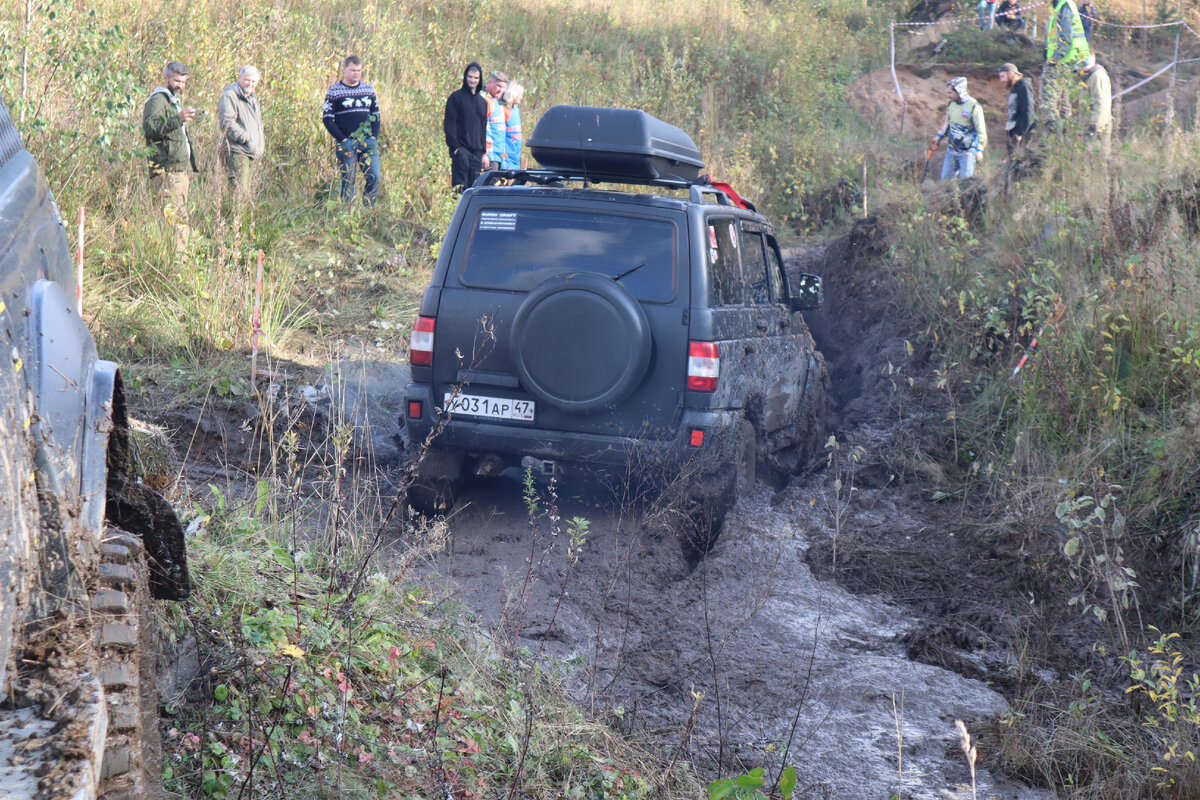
(649, 330)
(77, 675)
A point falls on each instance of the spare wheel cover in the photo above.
(580, 342)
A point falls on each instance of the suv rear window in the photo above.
(518, 249)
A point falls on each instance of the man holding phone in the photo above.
(164, 124)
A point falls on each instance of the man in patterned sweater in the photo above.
(351, 115)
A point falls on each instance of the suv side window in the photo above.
(754, 260)
(775, 271)
(727, 285)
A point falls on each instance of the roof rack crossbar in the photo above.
(699, 190)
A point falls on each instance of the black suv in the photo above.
(653, 334)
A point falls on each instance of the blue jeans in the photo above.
(960, 161)
(987, 14)
(364, 154)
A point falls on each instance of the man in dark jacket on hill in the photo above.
(1021, 117)
(164, 124)
(465, 125)
(351, 115)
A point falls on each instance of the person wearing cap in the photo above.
(164, 124)
(1021, 116)
(1067, 49)
(1099, 99)
(964, 131)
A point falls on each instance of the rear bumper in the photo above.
(515, 441)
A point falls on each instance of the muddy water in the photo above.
(782, 660)
(748, 655)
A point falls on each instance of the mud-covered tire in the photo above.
(716, 489)
(436, 484)
(124, 638)
(809, 437)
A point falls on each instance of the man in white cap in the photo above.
(964, 131)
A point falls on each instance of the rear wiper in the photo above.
(629, 271)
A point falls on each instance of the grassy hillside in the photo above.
(1090, 457)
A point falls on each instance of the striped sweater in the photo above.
(348, 108)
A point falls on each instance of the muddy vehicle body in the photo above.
(83, 545)
(649, 331)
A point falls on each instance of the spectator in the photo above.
(1021, 119)
(1066, 49)
(987, 14)
(1099, 92)
(164, 124)
(964, 130)
(497, 82)
(351, 115)
(465, 125)
(1008, 15)
(242, 140)
(1089, 17)
(511, 100)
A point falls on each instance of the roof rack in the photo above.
(697, 188)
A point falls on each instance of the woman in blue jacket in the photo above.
(511, 100)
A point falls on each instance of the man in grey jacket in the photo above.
(241, 129)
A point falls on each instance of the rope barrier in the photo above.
(1151, 26)
(957, 21)
(1139, 27)
(1144, 81)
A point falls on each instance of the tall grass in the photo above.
(754, 84)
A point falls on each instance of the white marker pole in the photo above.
(255, 319)
(79, 270)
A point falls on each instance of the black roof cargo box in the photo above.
(613, 144)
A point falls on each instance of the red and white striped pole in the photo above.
(79, 270)
(255, 319)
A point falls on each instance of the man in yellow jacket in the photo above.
(964, 131)
(1067, 50)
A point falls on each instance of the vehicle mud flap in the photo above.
(141, 510)
(136, 508)
(728, 472)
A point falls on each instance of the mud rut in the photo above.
(841, 623)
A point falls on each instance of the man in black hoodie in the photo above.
(466, 129)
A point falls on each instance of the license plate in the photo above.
(475, 405)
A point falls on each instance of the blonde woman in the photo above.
(510, 100)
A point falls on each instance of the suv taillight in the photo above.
(704, 366)
(420, 345)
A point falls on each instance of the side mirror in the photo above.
(806, 293)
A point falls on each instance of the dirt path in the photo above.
(783, 659)
(828, 611)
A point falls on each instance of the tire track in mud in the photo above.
(784, 660)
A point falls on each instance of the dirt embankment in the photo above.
(922, 111)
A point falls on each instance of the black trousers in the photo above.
(465, 166)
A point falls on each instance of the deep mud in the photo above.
(846, 620)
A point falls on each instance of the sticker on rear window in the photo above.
(498, 221)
